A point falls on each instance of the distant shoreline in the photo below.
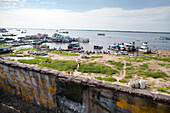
(120, 31)
(153, 32)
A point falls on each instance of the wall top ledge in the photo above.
(90, 82)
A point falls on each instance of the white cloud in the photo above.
(11, 3)
(149, 19)
(9, 0)
(48, 3)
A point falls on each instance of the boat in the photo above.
(101, 34)
(130, 46)
(144, 48)
(118, 46)
(44, 47)
(98, 46)
(164, 38)
(66, 32)
(9, 34)
(123, 46)
(23, 31)
(86, 40)
(73, 45)
(9, 38)
(5, 50)
(82, 40)
(3, 30)
(62, 38)
(2, 40)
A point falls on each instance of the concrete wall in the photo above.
(32, 86)
(49, 89)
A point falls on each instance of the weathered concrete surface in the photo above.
(114, 87)
(34, 85)
(50, 89)
(14, 104)
(73, 97)
(7, 109)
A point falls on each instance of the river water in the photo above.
(108, 39)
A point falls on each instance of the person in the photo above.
(78, 65)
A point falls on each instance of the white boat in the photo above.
(123, 46)
(130, 46)
(5, 50)
(98, 46)
(144, 48)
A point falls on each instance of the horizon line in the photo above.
(128, 31)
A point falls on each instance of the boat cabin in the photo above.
(73, 45)
(98, 47)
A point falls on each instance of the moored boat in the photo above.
(73, 45)
(164, 38)
(98, 46)
(66, 32)
(101, 34)
(23, 31)
(9, 34)
(5, 50)
(2, 40)
(130, 46)
(144, 48)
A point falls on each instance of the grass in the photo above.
(44, 59)
(147, 58)
(61, 65)
(161, 89)
(4, 45)
(19, 52)
(133, 59)
(128, 64)
(110, 79)
(11, 59)
(129, 76)
(98, 78)
(96, 68)
(96, 57)
(165, 65)
(32, 61)
(143, 67)
(123, 81)
(17, 55)
(65, 53)
(158, 74)
(144, 71)
(119, 65)
(28, 49)
(151, 84)
(130, 68)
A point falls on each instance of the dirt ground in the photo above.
(158, 82)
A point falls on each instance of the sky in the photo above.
(136, 15)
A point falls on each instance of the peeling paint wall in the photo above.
(32, 86)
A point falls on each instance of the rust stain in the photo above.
(137, 109)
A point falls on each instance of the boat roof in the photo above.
(127, 44)
(74, 42)
(63, 34)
